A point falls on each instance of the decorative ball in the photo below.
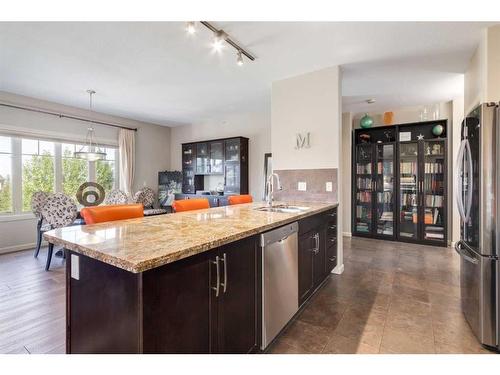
(437, 130)
(366, 121)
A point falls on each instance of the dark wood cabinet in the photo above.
(306, 278)
(178, 297)
(216, 150)
(226, 157)
(237, 308)
(317, 251)
(400, 182)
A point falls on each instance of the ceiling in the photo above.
(155, 72)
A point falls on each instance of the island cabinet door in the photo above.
(306, 253)
(319, 256)
(177, 302)
(237, 307)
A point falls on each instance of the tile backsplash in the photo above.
(315, 181)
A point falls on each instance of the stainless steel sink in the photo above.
(283, 208)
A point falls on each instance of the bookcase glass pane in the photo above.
(363, 218)
(384, 178)
(408, 190)
(433, 189)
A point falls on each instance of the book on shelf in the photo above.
(386, 216)
(408, 167)
(434, 201)
(363, 168)
(406, 234)
(433, 168)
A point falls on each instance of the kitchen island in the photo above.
(183, 283)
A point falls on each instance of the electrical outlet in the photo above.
(329, 186)
(302, 186)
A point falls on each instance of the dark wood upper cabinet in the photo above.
(217, 157)
(226, 157)
(202, 159)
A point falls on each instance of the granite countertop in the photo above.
(137, 245)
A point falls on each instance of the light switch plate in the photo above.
(302, 186)
(75, 267)
(329, 186)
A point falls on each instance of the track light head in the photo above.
(239, 59)
(219, 38)
(191, 27)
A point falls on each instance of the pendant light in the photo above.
(93, 151)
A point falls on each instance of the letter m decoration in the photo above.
(303, 141)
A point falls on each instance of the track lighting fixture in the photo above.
(191, 27)
(220, 38)
(239, 59)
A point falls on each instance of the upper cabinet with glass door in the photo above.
(408, 190)
(202, 159)
(384, 186)
(217, 157)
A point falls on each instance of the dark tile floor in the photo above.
(392, 298)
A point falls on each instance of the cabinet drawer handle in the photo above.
(333, 227)
(216, 288)
(333, 214)
(332, 259)
(333, 239)
(224, 285)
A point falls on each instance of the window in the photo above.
(74, 171)
(38, 169)
(5, 175)
(29, 165)
(106, 170)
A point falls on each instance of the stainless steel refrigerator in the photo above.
(478, 199)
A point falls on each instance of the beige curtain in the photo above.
(126, 143)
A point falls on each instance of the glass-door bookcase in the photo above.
(384, 189)
(364, 184)
(433, 188)
(408, 190)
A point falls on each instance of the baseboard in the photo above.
(347, 234)
(452, 244)
(339, 269)
(13, 249)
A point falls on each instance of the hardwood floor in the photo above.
(392, 298)
(32, 304)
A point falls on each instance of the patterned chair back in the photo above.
(146, 196)
(59, 210)
(116, 196)
(37, 201)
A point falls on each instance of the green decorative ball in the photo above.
(366, 121)
(438, 130)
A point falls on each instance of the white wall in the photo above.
(346, 171)
(255, 126)
(152, 150)
(310, 103)
(306, 103)
(482, 78)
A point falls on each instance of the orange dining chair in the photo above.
(239, 199)
(190, 204)
(100, 214)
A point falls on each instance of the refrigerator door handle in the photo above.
(471, 181)
(467, 255)
(458, 179)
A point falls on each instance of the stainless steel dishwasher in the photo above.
(280, 280)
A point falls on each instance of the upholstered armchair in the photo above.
(146, 196)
